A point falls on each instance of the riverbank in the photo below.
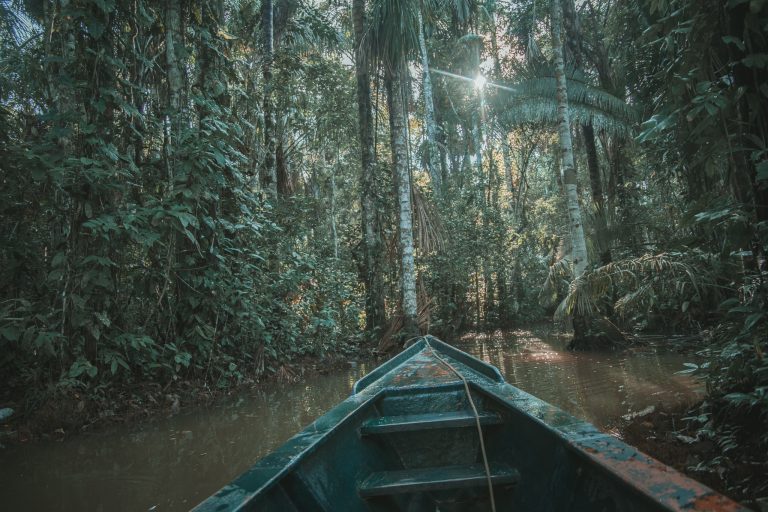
(68, 412)
(736, 467)
(173, 461)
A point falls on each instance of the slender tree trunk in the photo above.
(399, 141)
(579, 251)
(572, 38)
(495, 48)
(479, 114)
(576, 47)
(372, 273)
(583, 336)
(269, 172)
(173, 72)
(593, 166)
(282, 166)
(507, 160)
(334, 231)
(433, 155)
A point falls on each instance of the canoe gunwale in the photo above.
(269, 470)
(605, 456)
(613, 458)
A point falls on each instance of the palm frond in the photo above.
(462, 9)
(15, 22)
(646, 278)
(579, 92)
(309, 29)
(540, 110)
(533, 100)
(559, 273)
(393, 31)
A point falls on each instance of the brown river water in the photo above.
(171, 464)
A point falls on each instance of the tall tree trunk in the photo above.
(479, 114)
(173, 37)
(579, 251)
(593, 166)
(575, 45)
(269, 171)
(506, 157)
(334, 231)
(399, 140)
(173, 72)
(282, 166)
(433, 155)
(373, 276)
(583, 334)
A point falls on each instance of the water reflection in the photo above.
(597, 387)
(172, 464)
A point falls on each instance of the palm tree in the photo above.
(433, 157)
(374, 296)
(576, 45)
(393, 36)
(535, 101)
(396, 103)
(579, 251)
(269, 173)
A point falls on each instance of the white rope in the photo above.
(477, 422)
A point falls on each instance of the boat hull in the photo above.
(409, 438)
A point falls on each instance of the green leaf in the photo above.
(10, 333)
(756, 60)
(690, 368)
(762, 171)
(58, 259)
(752, 320)
(82, 366)
(103, 318)
(734, 41)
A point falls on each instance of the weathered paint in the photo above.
(565, 464)
(649, 476)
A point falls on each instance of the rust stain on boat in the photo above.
(655, 479)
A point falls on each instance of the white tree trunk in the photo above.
(433, 156)
(578, 241)
(399, 138)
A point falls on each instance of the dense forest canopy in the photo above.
(209, 191)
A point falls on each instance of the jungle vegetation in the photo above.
(211, 191)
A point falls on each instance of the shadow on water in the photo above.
(172, 464)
